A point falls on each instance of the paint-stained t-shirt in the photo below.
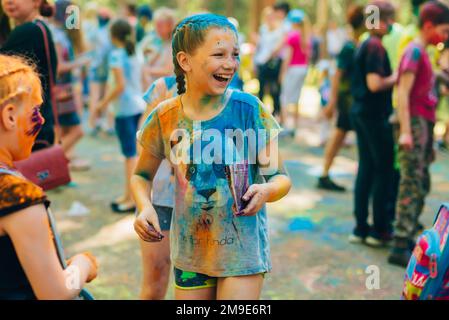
(207, 236)
(17, 194)
(163, 182)
(423, 99)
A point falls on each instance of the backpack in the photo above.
(427, 274)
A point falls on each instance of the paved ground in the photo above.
(311, 256)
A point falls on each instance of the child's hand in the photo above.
(98, 110)
(328, 112)
(406, 141)
(147, 225)
(257, 195)
(86, 258)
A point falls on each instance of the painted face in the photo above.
(19, 9)
(437, 34)
(30, 123)
(214, 64)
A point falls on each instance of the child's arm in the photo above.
(376, 83)
(147, 223)
(66, 66)
(277, 186)
(29, 231)
(285, 63)
(405, 86)
(374, 60)
(119, 80)
(329, 110)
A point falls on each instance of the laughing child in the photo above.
(219, 238)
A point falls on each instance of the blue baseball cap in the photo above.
(296, 16)
(145, 11)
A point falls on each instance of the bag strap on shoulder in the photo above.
(50, 75)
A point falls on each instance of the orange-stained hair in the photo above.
(18, 77)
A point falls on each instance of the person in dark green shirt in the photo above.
(144, 17)
(341, 99)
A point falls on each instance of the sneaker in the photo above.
(123, 207)
(374, 242)
(378, 240)
(110, 132)
(355, 239)
(94, 131)
(420, 228)
(358, 235)
(79, 165)
(400, 257)
(326, 183)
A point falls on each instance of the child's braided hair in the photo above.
(17, 77)
(189, 34)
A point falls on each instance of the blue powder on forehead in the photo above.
(206, 21)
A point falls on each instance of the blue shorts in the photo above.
(69, 119)
(164, 215)
(98, 75)
(126, 128)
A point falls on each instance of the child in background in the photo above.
(66, 99)
(156, 47)
(416, 111)
(98, 68)
(220, 249)
(125, 95)
(144, 17)
(156, 255)
(325, 92)
(341, 98)
(294, 66)
(371, 88)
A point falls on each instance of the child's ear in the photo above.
(184, 61)
(8, 116)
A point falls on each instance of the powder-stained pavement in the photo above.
(311, 256)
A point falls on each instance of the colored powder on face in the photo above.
(37, 122)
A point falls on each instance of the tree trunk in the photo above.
(255, 12)
(322, 18)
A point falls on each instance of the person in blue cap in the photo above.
(294, 64)
(144, 16)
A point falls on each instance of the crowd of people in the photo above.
(174, 83)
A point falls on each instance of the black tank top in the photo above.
(17, 193)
